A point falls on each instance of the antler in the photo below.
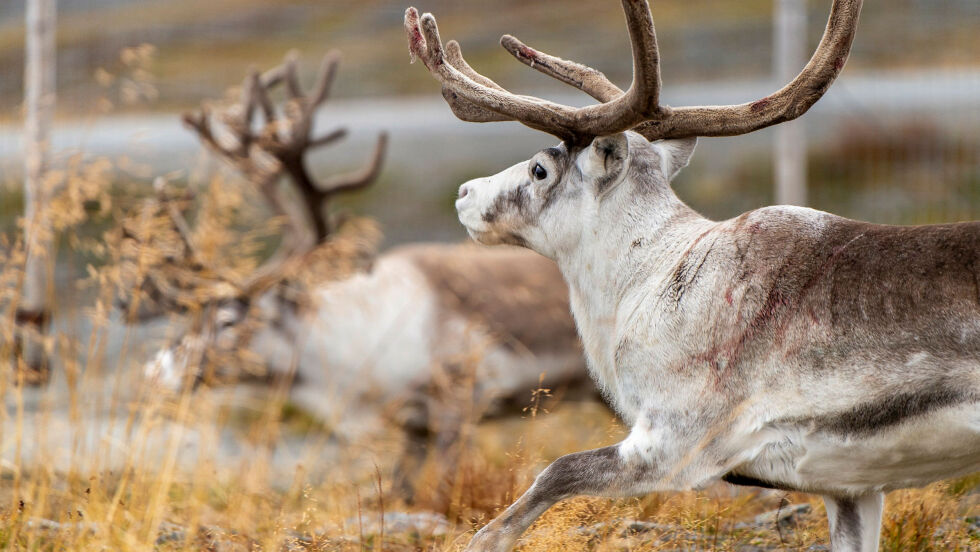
(276, 148)
(178, 273)
(474, 97)
(280, 146)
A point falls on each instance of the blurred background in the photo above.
(896, 140)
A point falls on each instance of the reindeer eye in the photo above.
(539, 172)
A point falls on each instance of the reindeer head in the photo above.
(254, 311)
(220, 344)
(610, 151)
(250, 329)
(547, 202)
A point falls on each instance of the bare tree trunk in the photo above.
(789, 153)
(39, 99)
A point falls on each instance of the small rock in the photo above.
(627, 528)
(973, 525)
(421, 523)
(42, 524)
(170, 533)
(785, 517)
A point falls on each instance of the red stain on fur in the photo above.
(529, 53)
(759, 105)
(773, 318)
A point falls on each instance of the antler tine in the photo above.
(360, 178)
(463, 109)
(568, 123)
(542, 115)
(238, 118)
(260, 96)
(786, 104)
(644, 92)
(291, 74)
(273, 77)
(328, 70)
(200, 123)
(583, 77)
(247, 100)
(328, 138)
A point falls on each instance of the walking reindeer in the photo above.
(406, 336)
(786, 348)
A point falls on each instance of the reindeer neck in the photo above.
(626, 244)
(615, 264)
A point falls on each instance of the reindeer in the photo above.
(786, 348)
(403, 337)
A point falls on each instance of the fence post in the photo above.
(39, 101)
(789, 151)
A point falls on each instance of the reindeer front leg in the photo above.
(666, 450)
(599, 472)
(613, 471)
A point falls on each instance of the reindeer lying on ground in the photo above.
(427, 332)
(786, 348)
(408, 336)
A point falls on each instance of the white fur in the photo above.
(619, 250)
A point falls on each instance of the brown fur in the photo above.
(855, 297)
(861, 283)
(517, 294)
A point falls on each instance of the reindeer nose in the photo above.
(463, 190)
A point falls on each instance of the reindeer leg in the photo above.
(855, 522)
(599, 472)
(415, 422)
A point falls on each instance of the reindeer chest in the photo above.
(630, 352)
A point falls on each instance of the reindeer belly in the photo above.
(938, 445)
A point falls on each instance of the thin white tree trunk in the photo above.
(39, 100)
(789, 153)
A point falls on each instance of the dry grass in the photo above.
(153, 504)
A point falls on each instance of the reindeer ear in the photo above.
(608, 158)
(675, 155)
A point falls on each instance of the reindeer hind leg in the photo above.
(855, 522)
(414, 420)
